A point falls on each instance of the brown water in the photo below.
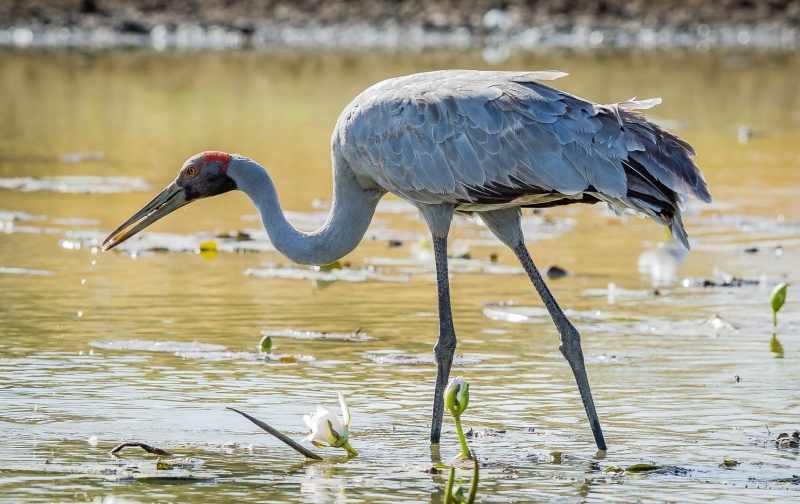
(664, 376)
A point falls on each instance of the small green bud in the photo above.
(456, 396)
(265, 345)
(777, 298)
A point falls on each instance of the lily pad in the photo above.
(196, 350)
(184, 469)
(25, 271)
(12, 215)
(531, 315)
(356, 335)
(156, 346)
(170, 242)
(250, 356)
(76, 184)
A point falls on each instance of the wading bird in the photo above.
(473, 142)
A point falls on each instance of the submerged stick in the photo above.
(143, 446)
(289, 441)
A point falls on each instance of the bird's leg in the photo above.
(569, 340)
(446, 343)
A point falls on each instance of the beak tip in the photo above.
(168, 200)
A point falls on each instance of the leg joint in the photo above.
(445, 347)
(570, 345)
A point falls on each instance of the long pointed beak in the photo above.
(167, 201)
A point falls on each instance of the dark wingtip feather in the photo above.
(678, 231)
(668, 157)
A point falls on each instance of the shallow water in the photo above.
(685, 379)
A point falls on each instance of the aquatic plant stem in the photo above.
(774, 318)
(350, 450)
(473, 488)
(461, 438)
(448, 491)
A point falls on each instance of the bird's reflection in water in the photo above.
(662, 262)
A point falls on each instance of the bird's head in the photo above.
(201, 176)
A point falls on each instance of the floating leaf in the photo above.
(640, 468)
(356, 335)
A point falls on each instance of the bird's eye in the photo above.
(191, 170)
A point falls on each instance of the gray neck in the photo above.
(350, 215)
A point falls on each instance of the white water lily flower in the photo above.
(327, 429)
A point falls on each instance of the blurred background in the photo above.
(402, 23)
(101, 102)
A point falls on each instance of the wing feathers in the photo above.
(446, 136)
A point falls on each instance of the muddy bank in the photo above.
(768, 23)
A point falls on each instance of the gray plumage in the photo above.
(492, 140)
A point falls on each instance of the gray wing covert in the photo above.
(492, 137)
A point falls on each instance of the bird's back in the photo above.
(488, 140)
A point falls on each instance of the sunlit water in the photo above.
(675, 385)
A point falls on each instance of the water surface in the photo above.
(684, 376)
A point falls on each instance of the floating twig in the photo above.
(143, 446)
(289, 441)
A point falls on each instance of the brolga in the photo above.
(470, 142)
